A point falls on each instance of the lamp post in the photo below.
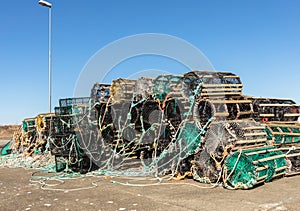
(49, 5)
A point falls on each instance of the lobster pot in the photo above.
(29, 135)
(35, 133)
(221, 109)
(71, 138)
(70, 117)
(209, 84)
(145, 128)
(63, 145)
(170, 91)
(149, 113)
(233, 135)
(175, 111)
(121, 117)
(167, 86)
(71, 110)
(74, 101)
(283, 134)
(65, 110)
(292, 155)
(43, 128)
(266, 109)
(221, 139)
(144, 88)
(28, 125)
(62, 130)
(122, 90)
(70, 155)
(61, 126)
(100, 93)
(118, 123)
(118, 114)
(43, 122)
(247, 168)
(251, 134)
(218, 95)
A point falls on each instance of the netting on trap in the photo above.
(144, 88)
(72, 122)
(222, 139)
(286, 137)
(138, 132)
(165, 85)
(247, 168)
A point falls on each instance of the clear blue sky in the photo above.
(258, 40)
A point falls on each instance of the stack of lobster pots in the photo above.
(33, 136)
(197, 125)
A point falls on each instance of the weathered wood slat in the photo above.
(251, 141)
(277, 104)
(224, 85)
(220, 93)
(255, 134)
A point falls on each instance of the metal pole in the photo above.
(50, 57)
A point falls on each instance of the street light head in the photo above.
(45, 3)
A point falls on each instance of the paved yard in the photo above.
(18, 193)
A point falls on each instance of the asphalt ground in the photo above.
(3, 142)
(19, 190)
